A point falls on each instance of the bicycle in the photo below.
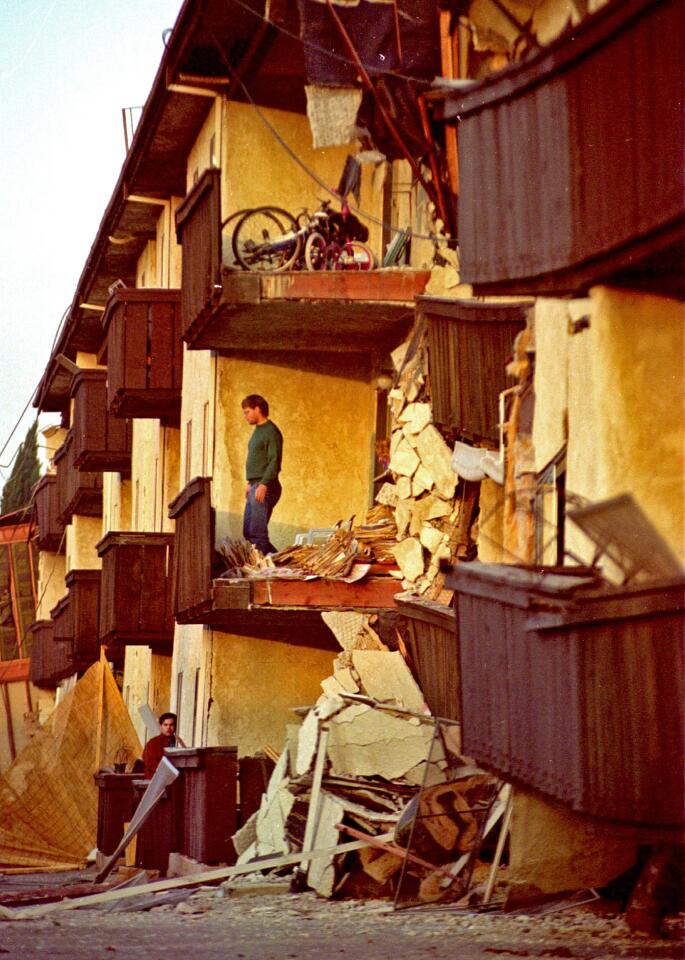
(269, 239)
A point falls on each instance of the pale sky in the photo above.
(67, 67)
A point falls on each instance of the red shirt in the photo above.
(154, 751)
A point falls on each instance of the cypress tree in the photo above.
(26, 471)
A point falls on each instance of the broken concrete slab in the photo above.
(404, 488)
(345, 625)
(421, 481)
(403, 515)
(387, 495)
(431, 538)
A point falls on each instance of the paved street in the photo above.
(261, 920)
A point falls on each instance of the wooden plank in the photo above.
(372, 593)
(15, 670)
(393, 285)
(197, 879)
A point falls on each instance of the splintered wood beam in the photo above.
(372, 593)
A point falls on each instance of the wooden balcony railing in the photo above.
(325, 311)
(575, 689)
(144, 353)
(571, 162)
(193, 550)
(50, 661)
(102, 442)
(469, 344)
(76, 618)
(78, 492)
(276, 610)
(50, 531)
(135, 594)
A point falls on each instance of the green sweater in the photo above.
(264, 452)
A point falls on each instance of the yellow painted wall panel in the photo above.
(325, 408)
(82, 534)
(50, 588)
(255, 685)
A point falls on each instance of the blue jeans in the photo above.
(257, 515)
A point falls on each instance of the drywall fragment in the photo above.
(346, 680)
(395, 440)
(321, 873)
(403, 513)
(271, 819)
(387, 495)
(376, 743)
(430, 538)
(386, 677)
(409, 556)
(421, 481)
(436, 457)
(306, 743)
(415, 417)
(404, 490)
(404, 460)
(432, 772)
(331, 686)
(246, 836)
(435, 508)
(345, 625)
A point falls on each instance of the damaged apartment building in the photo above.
(483, 457)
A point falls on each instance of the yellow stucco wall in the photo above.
(256, 683)
(81, 536)
(196, 446)
(146, 680)
(50, 588)
(325, 408)
(191, 682)
(616, 390)
(116, 502)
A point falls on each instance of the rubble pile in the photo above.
(431, 516)
(354, 767)
(339, 557)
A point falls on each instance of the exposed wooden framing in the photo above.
(15, 605)
(139, 198)
(450, 66)
(17, 533)
(191, 91)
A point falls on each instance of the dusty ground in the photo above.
(259, 919)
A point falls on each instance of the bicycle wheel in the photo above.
(266, 239)
(355, 255)
(315, 252)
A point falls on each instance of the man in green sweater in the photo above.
(263, 491)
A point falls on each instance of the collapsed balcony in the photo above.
(565, 182)
(274, 609)
(144, 354)
(339, 310)
(135, 595)
(575, 687)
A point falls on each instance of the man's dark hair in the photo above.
(253, 401)
(167, 716)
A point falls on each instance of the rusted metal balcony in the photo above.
(144, 354)
(326, 311)
(469, 344)
(575, 688)
(50, 531)
(275, 609)
(76, 618)
(50, 661)
(78, 492)
(571, 161)
(135, 594)
(102, 443)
